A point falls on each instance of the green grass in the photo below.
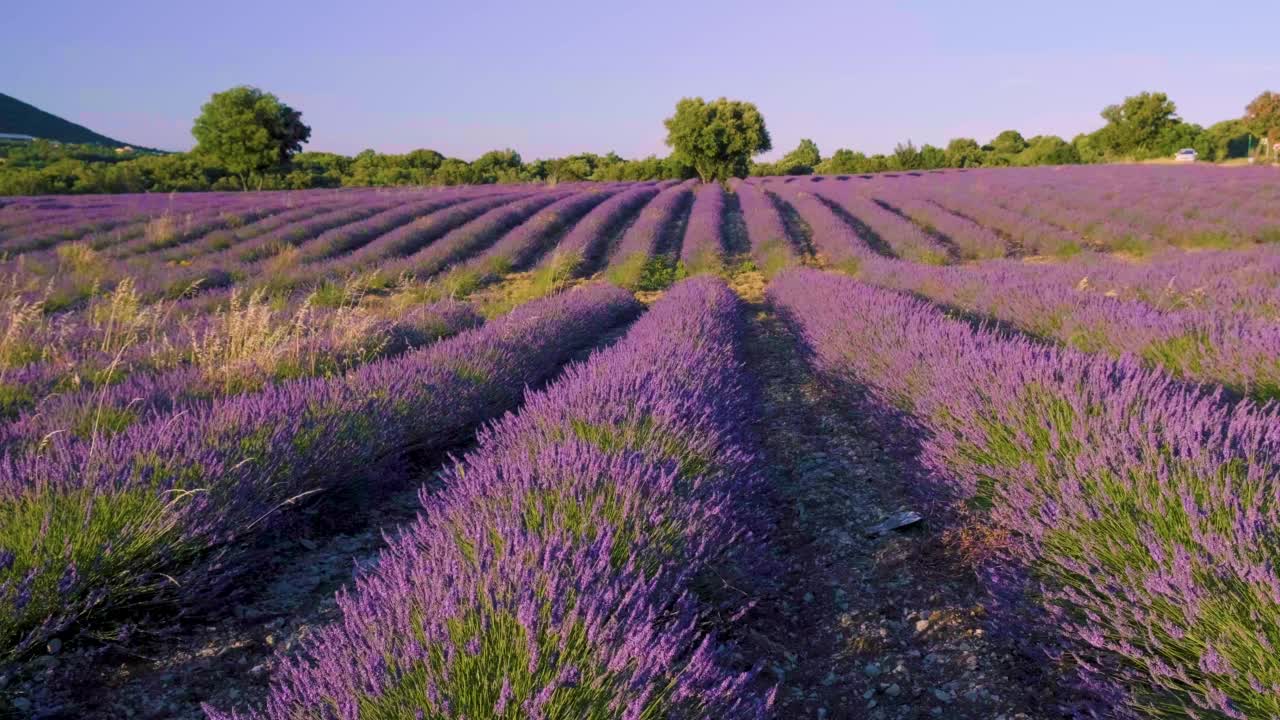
(552, 277)
(1209, 239)
(646, 274)
(14, 399)
(51, 531)
(1183, 355)
(329, 294)
(105, 420)
(1129, 244)
(1068, 250)
(706, 263)
(1269, 235)
(774, 257)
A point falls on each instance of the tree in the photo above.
(932, 157)
(800, 161)
(1048, 150)
(843, 161)
(1009, 142)
(718, 139)
(249, 131)
(906, 157)
(453, 172)
(1134, 127)
(1262, 116)
(1089, 147)
(965, 153)
(423, 160)
(497, 166)
(1225, 140)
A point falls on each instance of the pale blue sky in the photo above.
(551, 78)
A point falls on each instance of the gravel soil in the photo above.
(857, 626)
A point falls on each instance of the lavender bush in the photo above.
(91, 527)
(550, 578)
(1136, 516)
(771, 249)
(703, 248)
(642, 260)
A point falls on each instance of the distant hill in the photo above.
(25, 119)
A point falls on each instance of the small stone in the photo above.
(808, 597)
(54, 646)
(942, 695)
(896, 521)
(922, 625)
(872, 669)
(868, 694)
(21, 704)
(893, 690)
(308, 544)
(936, 711)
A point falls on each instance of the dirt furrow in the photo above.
(853, 625)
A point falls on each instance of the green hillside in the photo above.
(25, 119)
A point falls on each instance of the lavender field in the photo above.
(636, 450)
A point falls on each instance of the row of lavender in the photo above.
(1244, 281)
(211, 253)
(426, 236)
(1130, 518)
(114, 340)
(553, 576)
(1236, 349)
(92, 411)
(165, 506)
(992, 213)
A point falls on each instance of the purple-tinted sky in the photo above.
(551, 78)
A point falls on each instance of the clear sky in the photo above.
(551, 78)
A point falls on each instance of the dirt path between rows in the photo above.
(863, 627)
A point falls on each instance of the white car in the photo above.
(1186, 155)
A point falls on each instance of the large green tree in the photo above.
(1048, 150)
(802, 160)
(1136, 126)
(965, 153)
(497, 166)
(1009, 142)
(718, 139)
(249, 132)
(1262, 116)
(842, 161)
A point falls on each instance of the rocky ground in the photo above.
(888, 626)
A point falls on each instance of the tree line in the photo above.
(248, 139)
